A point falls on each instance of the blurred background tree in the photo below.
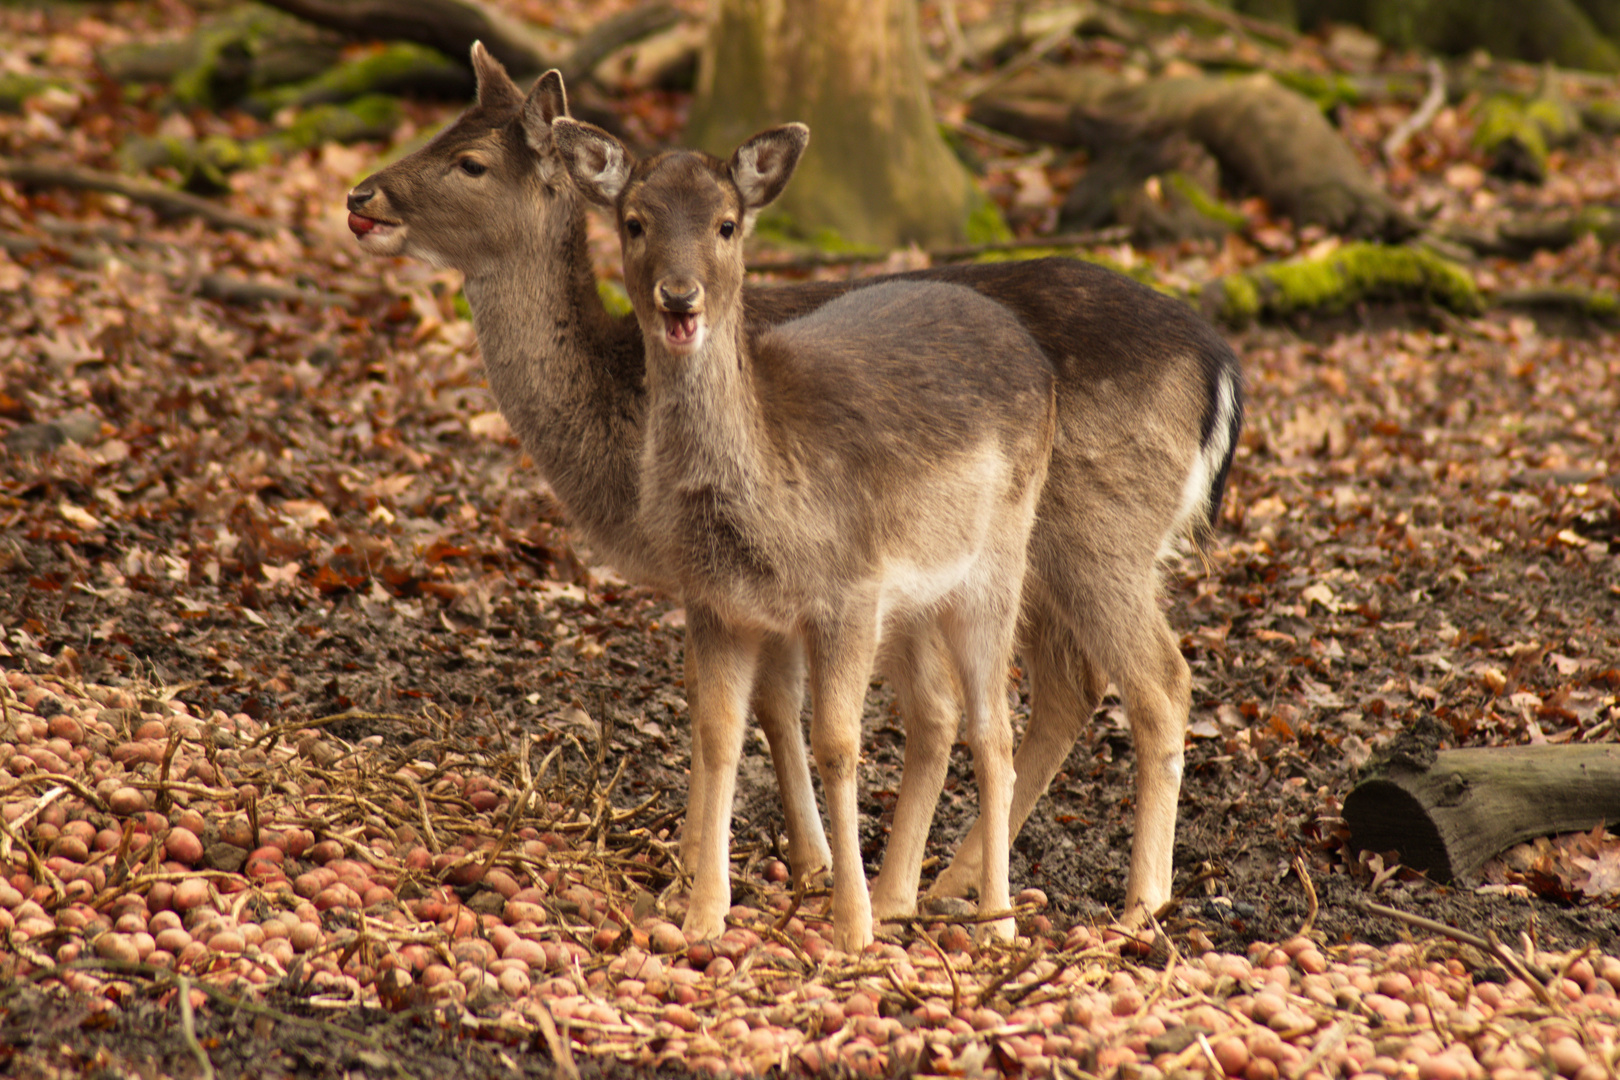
(878, 172)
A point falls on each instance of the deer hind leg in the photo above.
(841, 653)
(1065, 689)
(778, 701)
(1114, 612)
(720, 669)
(1157, 687)
(981, 644)
(926, 693)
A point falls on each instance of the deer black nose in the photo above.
(358, 198)
(680, 298)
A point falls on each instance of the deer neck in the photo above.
(568, 377)
(705, 421)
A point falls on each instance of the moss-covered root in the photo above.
(1333, 283)
(393, 69)
(1518, 134)
(205, 165)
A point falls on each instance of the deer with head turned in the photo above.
(863, 473)
(1149, 406)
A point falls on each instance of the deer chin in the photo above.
(683, 331)
(377, 237)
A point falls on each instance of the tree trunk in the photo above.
(877, 171)
(1469, 805)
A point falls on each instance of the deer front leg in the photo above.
(841, 656)
(925, 688)
(778, 701)
(720, 669)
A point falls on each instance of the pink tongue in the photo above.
(360, 225)
(680, 327)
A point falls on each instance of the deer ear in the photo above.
(495, 86)
(762, 166)
(545, 103)
(598, 164)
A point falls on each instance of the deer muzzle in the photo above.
(680, 303)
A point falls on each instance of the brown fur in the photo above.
(875, 464)
(1140, 380)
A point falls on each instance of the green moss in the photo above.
(614, 298)
(1557, 119)
(781, 229)
(221, 73)
(16, 89)
(1505, 129)
(1352, 274)
(1604, 306)
(462, 308)
(1326, 90)
(389, 69)
(1598, 221)
(985, 225)
(374, 116)
(203, 164)
(1237, 299)
(1602, 116)
(1203, 202)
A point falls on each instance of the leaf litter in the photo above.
(274, 569)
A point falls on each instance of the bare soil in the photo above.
(297, 512)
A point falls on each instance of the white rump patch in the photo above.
(1207, 465)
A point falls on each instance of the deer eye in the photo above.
(632, 228)
(472, 167)
(727, 228)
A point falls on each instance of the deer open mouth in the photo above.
(680, 327)
(361, 225)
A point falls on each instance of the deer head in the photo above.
(682, 219)
(460, 200)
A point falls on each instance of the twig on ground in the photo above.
(188, 1028)
(518, 806)
(1519, 968)
(1024, 962)
(1303, 872)
(1421, 117)
(950, 970)
(1324, 1046)
(1491, 945)
(274, 734)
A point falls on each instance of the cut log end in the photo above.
(1470, 805)
(1384, 816)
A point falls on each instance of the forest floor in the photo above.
(307, 525)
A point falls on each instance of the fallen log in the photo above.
(1266, 137)
(1447, 818)
(1338, 281)
(164, 201)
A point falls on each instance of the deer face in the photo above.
(681, 230)
(467, 196)
(682, 219)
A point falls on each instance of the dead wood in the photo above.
(451, 26)
(225, 288)
(1449, 817)
(1023, 248)
(1519, 238)
(165, 201)
(1267, 138)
